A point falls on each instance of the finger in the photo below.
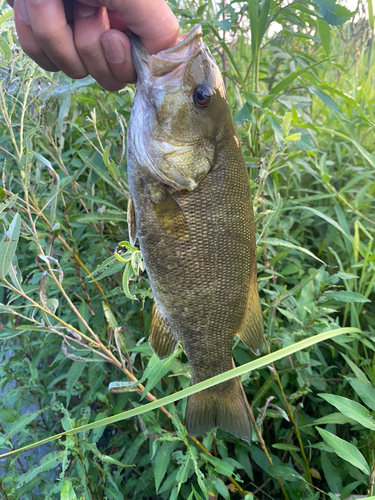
(27, 40)
(48, 22)
(89, 24)
(116, 46)
(153, 22)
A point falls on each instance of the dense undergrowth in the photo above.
(73, 347)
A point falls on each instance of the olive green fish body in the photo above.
(194, 222)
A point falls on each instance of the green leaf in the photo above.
(227, 53)
(357, 371)
(284, 446)
(325, 217)
(220, 487)
(327, 100)
(158, 368)
(183, 472)
(277, 89)
(198, 472)
(351, 409)
(263, 20)
(109, 316)
(364, 391)
(107, 216)
(126, 278)
(67, 491)
(283, 243)
(5, 49)
(368, 156)
(7, 15)
(333, 13)
(106, 268)
(344, 296)
(48, 462)
(8, 414)
(19, 424)
(349, 488)
(161, 464)
(345, 450)
(325, 35)
(8, 245)
(330, 473)
(276, 127)
(370, 14)
(99, 171)
(285, 472)
(113, 461)
(72, 377)
(221, 467)
(333, 418)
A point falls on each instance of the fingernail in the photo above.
(22, 11)
(85, 10)
(113, 48)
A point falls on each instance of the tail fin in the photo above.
(220, 406)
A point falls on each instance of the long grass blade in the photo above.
(223, 377)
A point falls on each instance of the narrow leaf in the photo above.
(8, 245)
(351, 409)
(160, 367)
(345, 450)
(325, 34)
(283, 243)
(364, 391)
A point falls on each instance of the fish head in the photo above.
(180, 112)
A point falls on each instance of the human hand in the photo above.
(86, 36)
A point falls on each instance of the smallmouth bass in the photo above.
(190, 208)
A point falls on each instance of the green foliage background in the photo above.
(75, 314)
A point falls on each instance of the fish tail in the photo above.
(220, 406)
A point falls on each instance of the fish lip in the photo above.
(144, 62)
(195, 32)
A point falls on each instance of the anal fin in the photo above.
(252, 329)
(162, 339)
(132, 226)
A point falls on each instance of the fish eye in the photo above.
(201, 96)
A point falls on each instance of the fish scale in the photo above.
(192, 214)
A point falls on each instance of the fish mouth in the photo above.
(189, 47)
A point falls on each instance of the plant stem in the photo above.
(291, 417)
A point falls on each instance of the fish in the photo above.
(190, 209)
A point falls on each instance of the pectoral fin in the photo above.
(252, 329)
(132, 227)
(168, 212)
(162, 339)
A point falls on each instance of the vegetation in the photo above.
(75, 300)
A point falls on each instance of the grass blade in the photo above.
(235, 372)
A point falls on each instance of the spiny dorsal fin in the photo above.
(162, 339)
